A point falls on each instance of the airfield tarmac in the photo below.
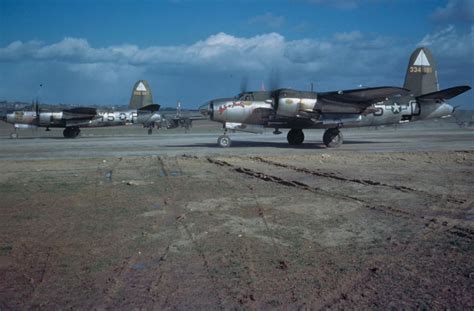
(119, 219)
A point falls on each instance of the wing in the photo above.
(357, 100)
(150, 108)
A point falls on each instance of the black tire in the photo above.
(71, 132)
(150, 131)
(333, 138)
(224, 141)
(67, 132)
(76, 132)
(295, 137)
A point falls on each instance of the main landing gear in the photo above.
(295, 136)
(333, 137)
(71, 132)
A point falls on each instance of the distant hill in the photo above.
(16, 106)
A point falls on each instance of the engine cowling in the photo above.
(49, 118)
(291, 103)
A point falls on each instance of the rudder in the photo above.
(421, 76)
(141, 95)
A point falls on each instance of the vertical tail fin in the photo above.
(141, 95)
(421, 77)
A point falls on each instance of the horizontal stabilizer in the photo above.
(79, 113)
(444, 94)
(150, 108)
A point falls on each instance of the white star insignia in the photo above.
(395, 108)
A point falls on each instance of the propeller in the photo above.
(274, 80)
(178, 109)
(244, 84)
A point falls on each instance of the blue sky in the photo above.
(91, 52)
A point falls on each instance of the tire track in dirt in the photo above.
(282, 263)
(203, 257)
(463, 233)
(297, 184)
(170, 168)
(365, 182)
(116, 283)
(249, 298)
(456, 230)
(125, 276)
(359, 287)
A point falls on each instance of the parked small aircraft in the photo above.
(419, 99)
(142, 111)
(180, 119)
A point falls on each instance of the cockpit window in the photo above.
(244, 97)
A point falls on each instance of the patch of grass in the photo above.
(6, 249)
(8, 188)
(27, 215)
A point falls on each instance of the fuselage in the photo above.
(60, 119)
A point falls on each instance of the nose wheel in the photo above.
(224, 141)
(333, 138)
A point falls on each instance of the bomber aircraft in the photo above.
(419, 99)
(141, 111)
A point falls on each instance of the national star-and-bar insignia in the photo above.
(396, 108)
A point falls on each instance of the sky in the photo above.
(90, 52)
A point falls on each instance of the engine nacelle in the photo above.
(50, 118)
(24, 117)
(290, 103)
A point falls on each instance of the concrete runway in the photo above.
(135, 142)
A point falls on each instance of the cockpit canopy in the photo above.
(253, 96)
(266, 95)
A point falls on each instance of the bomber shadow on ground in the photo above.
(283, 145)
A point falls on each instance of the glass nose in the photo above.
(204, 109)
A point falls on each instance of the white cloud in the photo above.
(213, 67)
(455, 11)
(348, 36)
(104, 72)
(449, 43)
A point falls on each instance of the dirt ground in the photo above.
(325, 230)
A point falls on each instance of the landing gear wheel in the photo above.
(295, 137)
(71, 132)
(333, 138)
(224, 141)
(150, 131)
